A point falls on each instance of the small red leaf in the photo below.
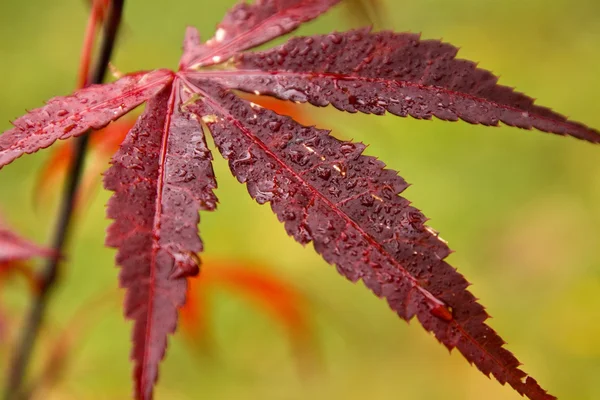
(14, 248)
(248, 25)
(394, 72)
(161, 176)
(90, 108)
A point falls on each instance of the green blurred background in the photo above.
(521, 209)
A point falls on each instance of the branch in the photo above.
(49, 274)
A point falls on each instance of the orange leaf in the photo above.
(10, 268)
(283, 107)
(103, 144)
(265, 290)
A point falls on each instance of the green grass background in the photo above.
(521, 209)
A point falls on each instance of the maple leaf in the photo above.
(92, 107)
(249, 25)
(163, 166)
(324, 190)
(398, 73)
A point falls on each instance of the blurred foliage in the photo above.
(521, 209)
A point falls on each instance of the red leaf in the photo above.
(394, 72)
(348, 205)
(161, 177)
(89, 108)
(248, 25)
(322, 188)
(15, 248)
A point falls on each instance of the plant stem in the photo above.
(50, 271)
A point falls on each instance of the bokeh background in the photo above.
(521, 209)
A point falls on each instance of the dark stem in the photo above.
(50, 271)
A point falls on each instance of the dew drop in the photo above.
(351, 184)
(323, 173)
(367, 200)
(275, 126)
(347, 148)
(289, 215)
(220, 35)
(186, 265)
(336, 38)
(334, 191)
(189, 178)
(241, 14)
(294, 95)
(343, 237)
(69, 128)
